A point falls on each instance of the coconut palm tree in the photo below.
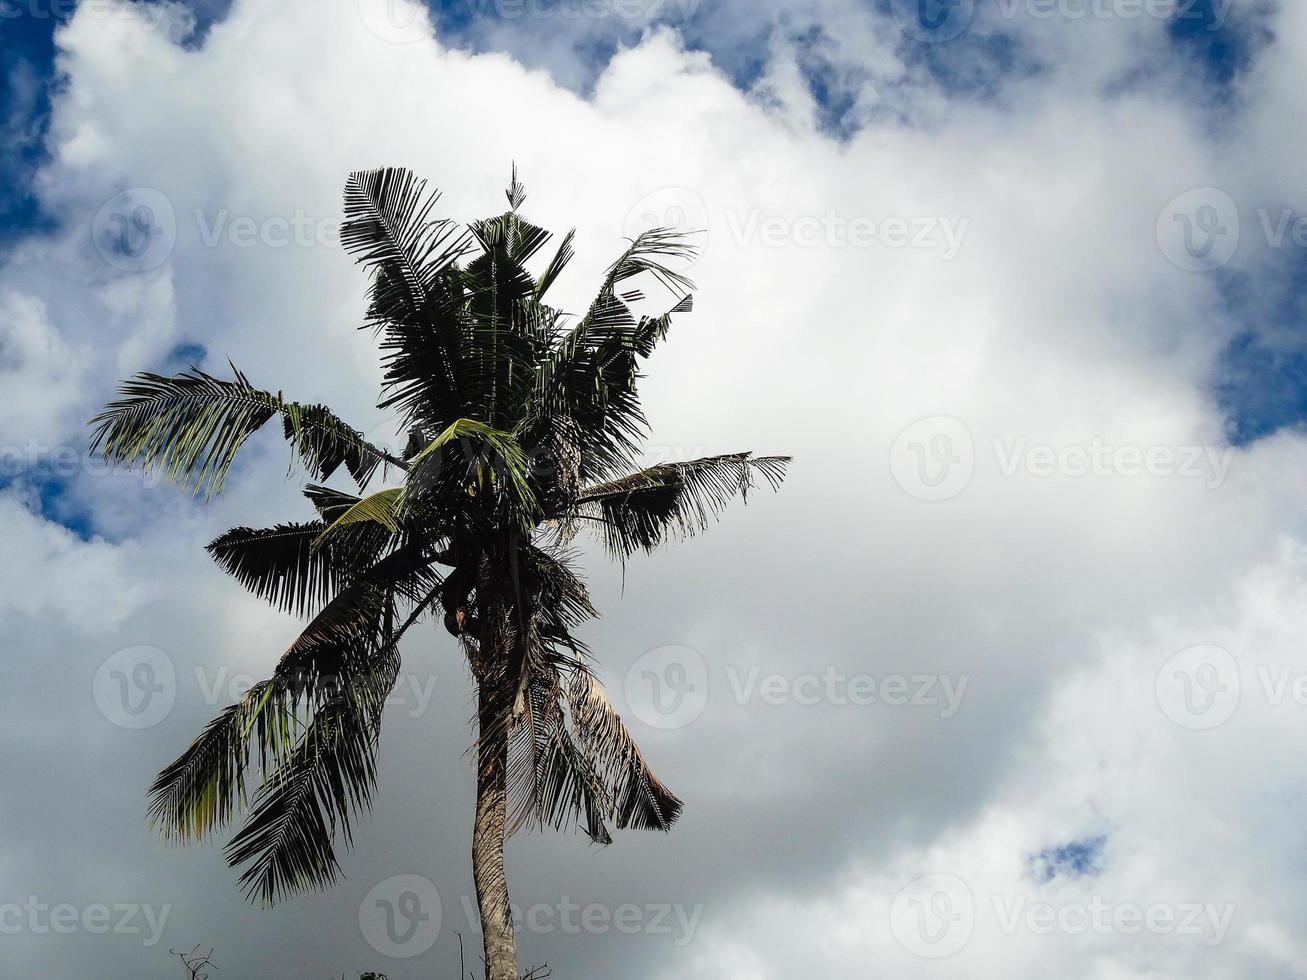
(523, 427)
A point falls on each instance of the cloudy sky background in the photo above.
(1017, 283)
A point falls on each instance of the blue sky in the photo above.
(24, 107)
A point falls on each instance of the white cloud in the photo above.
(1178, 805)
(39, 374)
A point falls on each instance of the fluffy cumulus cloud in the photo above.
(40, 371)
(1007, 680)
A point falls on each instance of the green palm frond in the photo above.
(590, 379)
(352, 620)
(590, 375)
(316, 790)
(188, 429)
(416, 296)
(382, 508)
(422, 358)
(471, 461)
(205, 788)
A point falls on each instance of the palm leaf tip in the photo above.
(516, 193)
(653, 251)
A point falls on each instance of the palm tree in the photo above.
(523, 426)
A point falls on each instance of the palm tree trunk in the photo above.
(488, 847)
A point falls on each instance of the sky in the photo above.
(1007, 680)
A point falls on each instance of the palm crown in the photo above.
(523, 426)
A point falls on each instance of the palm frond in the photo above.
(557, 591)
(511, 234)
(335, 642)
(388, 227)
(556, 778)
(571, 792)
(278, 564)
(551, 782)
(382, 508)
(470, 459)
(556, 265)
(329, 502)
(516, 193)
(503, 336)
(589, 379)
(422, 358)
(282, 565)
(327, 780)
(204, 789)
(188, 429)
(641, 510)
(650, 252)
(591, 373)
(416, 296)
(640, 800)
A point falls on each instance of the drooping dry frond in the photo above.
(639, 798)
